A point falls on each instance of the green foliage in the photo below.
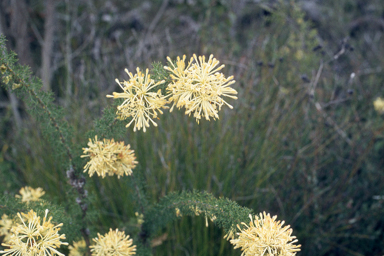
(222, 212)
(108, 126)
(39, 104)
(303, 140)
(225, 213)
(158, 73)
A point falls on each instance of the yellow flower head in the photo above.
(178, 213)
(379, 105)
(28, 194)
(78, 249)
(3, 68)
(113, 243)
(265, 236)
(178, 71)
(179, 77)
(141, 102)
(109, 157)
(200, 86)
(140, 218)
(5, 227)
(6, 79)
(230, 235)
(33, 237)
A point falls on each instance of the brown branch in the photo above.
(362, 22)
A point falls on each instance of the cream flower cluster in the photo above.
(109, 157)
(33, 237)
(28, 194)
(78, 248)
(199, 87)
(266, 236)
(140, 102)
(379, 105)
(113, 243)
(5, 227)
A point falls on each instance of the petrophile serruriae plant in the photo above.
(32, 225)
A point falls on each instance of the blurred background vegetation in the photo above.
(303, 141)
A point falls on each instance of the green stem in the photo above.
(75, 180)
(45, 108)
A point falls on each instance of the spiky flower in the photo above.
(3, 68)
(5, 227)
(178, 213)
(78, 249)
(230, 235)
(28, 194)
(6, 79)
(33, 237)
(379, 105)
(113, 243)
(199, 86)
(140, 218)
(109, 157)
(180, 78)
(142, 102)
(265, 236)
